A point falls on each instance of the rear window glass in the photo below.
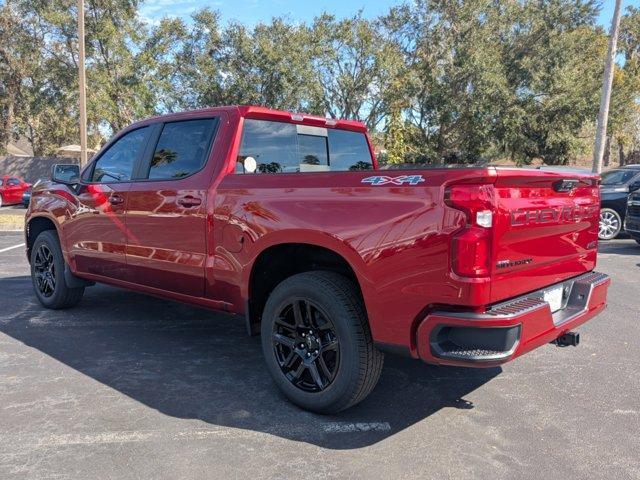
(281, 147)
(616, 177)
(182, 149)
(272, 144)
(349, 151)
(313, 153)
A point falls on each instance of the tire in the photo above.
(47, 273)
(338, 342)
(0, 200)
(610, 224)
(637, 240)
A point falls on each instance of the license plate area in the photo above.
(553, 296)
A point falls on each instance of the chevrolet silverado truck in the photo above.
(285, 220)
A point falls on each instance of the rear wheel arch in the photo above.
(276, 263)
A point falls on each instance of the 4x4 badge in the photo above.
(400, 180)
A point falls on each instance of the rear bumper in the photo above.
(509, 329)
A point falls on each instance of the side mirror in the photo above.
(67, 174)
(634, 186)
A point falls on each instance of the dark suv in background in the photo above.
(615, 188)
(632, 219)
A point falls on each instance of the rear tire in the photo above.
(0, 200)
(610, 224)
(47, 273)
(328, 329)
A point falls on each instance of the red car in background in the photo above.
(12, 189)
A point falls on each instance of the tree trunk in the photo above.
(607, 151)
(621, 158)
(7, 133)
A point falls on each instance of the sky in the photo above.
(250, 12)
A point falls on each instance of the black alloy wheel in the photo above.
(44, 271)
(48, 273)
(317, 342)
(306, 345)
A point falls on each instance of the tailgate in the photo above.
(545, 229)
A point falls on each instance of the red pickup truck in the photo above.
(285, 219)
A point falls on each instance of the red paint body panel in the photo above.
(396, 238)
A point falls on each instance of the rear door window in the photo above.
(280, 147)
(182, 149)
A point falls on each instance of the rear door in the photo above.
(166, 209)
(96, 234)
(545, 230)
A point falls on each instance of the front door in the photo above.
(97, 232)
(166, 208)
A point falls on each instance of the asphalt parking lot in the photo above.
(129, 386)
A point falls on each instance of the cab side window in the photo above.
(118, 162)
(182, 148)
(12, 182)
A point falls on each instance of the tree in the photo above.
(624, 117)
(354, 65)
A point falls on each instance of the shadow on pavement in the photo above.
(191, 363)
(619, 246)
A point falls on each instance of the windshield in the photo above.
(617, 177)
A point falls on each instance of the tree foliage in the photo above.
(437, 81)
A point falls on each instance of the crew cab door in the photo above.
(166, 210)
(97, 232)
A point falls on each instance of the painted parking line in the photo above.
(344, 427)
(11, 248)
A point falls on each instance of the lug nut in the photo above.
(304, 334)
(302, 345)
(308, 354)
(316, 352)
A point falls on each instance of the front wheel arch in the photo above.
(35, 226)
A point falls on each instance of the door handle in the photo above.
(116, 200)
(189, 201)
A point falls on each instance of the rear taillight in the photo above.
(471, 246)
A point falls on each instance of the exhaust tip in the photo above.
(568, 339)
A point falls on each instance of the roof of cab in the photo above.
(263, 113)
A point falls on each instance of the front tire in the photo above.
(317, 342)
(47, 273)
(610, 224)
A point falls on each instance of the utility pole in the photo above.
(603, 114)
(82, 86)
